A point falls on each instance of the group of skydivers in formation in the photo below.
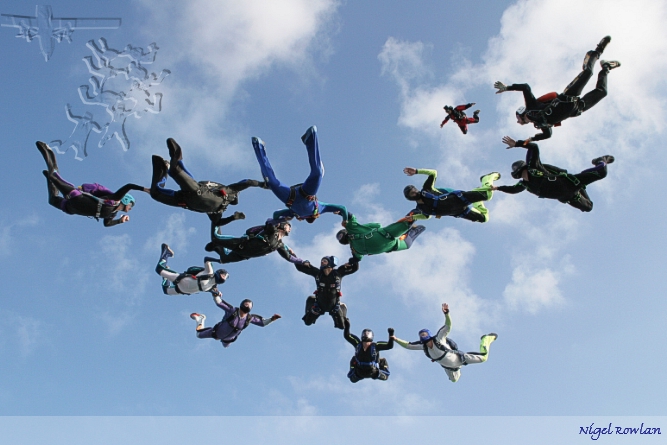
(301, 203)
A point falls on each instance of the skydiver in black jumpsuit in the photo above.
(548, 181)
(366, 362)
(550, 110)
(257, 241)
(203, 196)
(326, 298)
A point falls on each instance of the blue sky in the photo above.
(575, 298)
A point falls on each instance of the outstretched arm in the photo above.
(351, 338)
(443, 331)
(415, 346)
(546, 133)
(244, 184)
(384, 346)
(442, 124)
(263, 322)
(333, 208)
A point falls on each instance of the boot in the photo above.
(609, 65)
(175, 152)
(486, 341)
(199, 318)
(488, 179)
(308, 134)
(607, 159)
(166, 252)
(48, 155)
(603, 44)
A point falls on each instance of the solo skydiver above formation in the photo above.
(366, 362)
(372, 238)
(447, 202)
(203, 196)
(548, 181)
(236, 319)
(93, 200)
(458, 115)
(326, 298)
(551, 109)
(444, 351)
(195, 279)
(300, 199)
(257, 241)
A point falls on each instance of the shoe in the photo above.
(607, 159)
(166, 251)
(487, 340)
(199, 318)
(609, 64)
(603, 44)
(175, 152)
(476, 112)
(48, 155)
(415, 231)
(489, 178)
(258, 143)
(308, 134)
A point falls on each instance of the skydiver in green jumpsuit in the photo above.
(372, 238)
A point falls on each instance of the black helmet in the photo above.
(448, 108)
(366, 335)
(220, 276)
(342, 237)
(411, 193)
(246, 306)
(517, 168)
(332, 261)
(283, 226)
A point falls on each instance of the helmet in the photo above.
(246, 306)
(517, 168)
(521, 111)
(425, 335)
(283, 225)
(448, 108)
(366, 335)
(220, 276)
(342, 237)
(332, 261)
(128, 200)
(411, 193)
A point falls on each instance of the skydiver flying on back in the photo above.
(92, 200)
(300, 199)
(551, 109)
(548, 181)
(326, 297)
(447, 202)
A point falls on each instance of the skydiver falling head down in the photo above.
(92, 200)
(441, 349)
(548, 181)
(366, 362)
(448, 202)
(235, 320)
(326, 297)
(195, 279)
(551, 109)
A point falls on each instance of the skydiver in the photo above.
(326, 297)
(257, 241)
(236, 319)
(366, 362)
(195, 279)
(458, 115)
(444, 351)
(300, 199)
(551, 109)
(203, 196)
(92, 200)
(548, 181)
(372, 238)
(447, 202)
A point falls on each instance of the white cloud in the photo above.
(533, 289)
(7, 232)
(229, 42)
(172, 232)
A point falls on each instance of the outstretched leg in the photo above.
(279, 189)
(483, 354)
(312, 183)
(577, 85)
(54, 199)
(158, 181)
(63, 186)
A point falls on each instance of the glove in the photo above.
(239, 215)
(391, 331)
(275, 317)
(501, 87)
